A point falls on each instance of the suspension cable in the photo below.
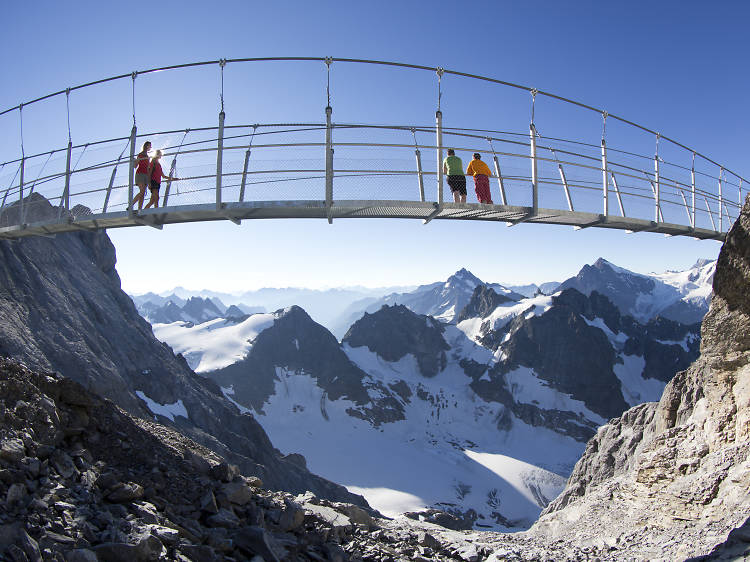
(222, 64)
(20, 117)
(328, 61)
(133, 76)
(67, 104)
(439, 71)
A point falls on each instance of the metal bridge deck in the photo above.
(48, 224)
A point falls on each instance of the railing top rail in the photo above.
(535, 91)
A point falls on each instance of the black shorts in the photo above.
(155, 185)
(457, 183)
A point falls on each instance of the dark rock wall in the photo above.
(395, 331)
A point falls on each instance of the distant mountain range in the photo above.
(462, 396)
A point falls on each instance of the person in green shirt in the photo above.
(454, 169)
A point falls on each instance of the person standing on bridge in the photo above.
(482, 175)
(141, 174)
(156, 176)
(454, 169)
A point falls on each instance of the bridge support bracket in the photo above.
(433, 214)
(529, 215)
(589, 225)
(143, 222)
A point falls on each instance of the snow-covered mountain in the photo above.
(441, 300)
(483, 418)
(326, 306)
(682, 296)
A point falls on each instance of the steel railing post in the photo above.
(219, 159)
(329, 164)
(501, 186)
(721, 201)
(657, 188)
(619, 195)
(420, 177)
(172, 170)
(692, 189)
(739, 198)
(534, 172)
(132, 168)
(564, 181)
(439, 145)
(21, 215)
(66, 192)
(605, 178)
(244, 175)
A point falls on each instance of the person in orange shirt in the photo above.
(482, 174)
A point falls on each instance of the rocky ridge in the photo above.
(669, 480)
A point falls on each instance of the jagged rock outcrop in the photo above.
(395, 331)
(679, 297)
(483, 301)
(63, 310)
(670, 480)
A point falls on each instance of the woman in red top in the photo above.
(156, 175)
(141, 174)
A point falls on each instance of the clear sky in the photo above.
(678, 67)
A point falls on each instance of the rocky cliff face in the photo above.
(579, 345)
(671, 479)
(295, 344)
(63, 310)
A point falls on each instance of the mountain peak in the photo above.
(395, 331)
(602, 263)
(465, 277)
(702, 262)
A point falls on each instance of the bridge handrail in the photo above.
(664, 178)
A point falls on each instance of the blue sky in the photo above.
(675, 67)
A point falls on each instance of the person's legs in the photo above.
(456, 196)
(139, 198)
(154, 201)
(483, 189)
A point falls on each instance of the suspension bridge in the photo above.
(333, 170)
